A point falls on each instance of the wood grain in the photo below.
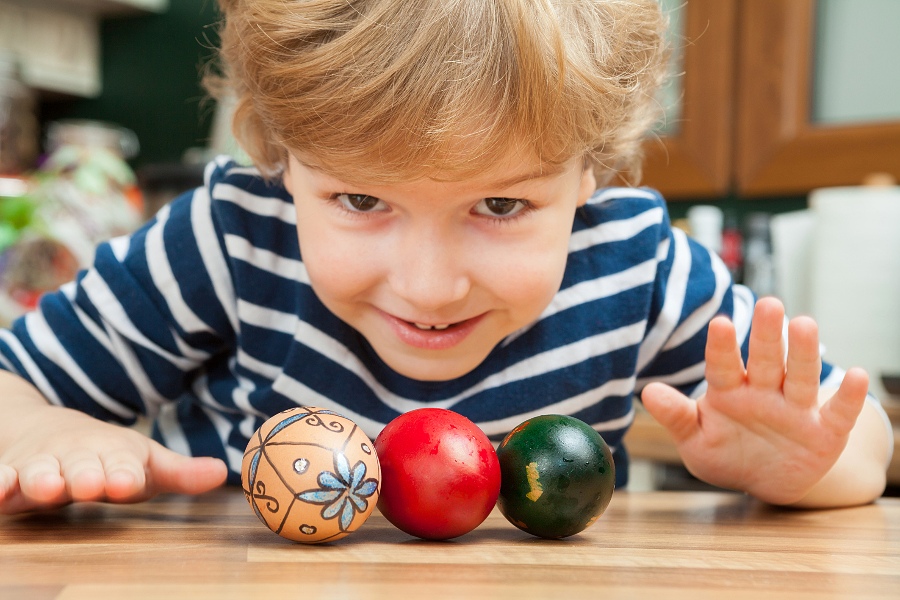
(670, 544)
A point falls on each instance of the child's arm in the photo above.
(51, 456)
(768, 429)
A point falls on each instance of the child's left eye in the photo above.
(500, 207)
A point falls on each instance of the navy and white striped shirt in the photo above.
(205, 321)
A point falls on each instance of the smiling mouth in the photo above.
(433, 336)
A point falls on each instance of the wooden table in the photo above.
(666, 545)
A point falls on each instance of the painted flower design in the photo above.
(343, 492)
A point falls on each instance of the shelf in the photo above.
(57, 42)
(110, 8)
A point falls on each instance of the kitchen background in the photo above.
(778, 113)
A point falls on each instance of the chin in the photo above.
(431, 369)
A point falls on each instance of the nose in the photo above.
(429, 270)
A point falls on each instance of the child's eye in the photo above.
(360, 203)
(500, 207)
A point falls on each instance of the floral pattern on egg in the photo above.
(311, 475)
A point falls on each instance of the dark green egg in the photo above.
(556, 476)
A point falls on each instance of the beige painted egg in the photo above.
(311, 475)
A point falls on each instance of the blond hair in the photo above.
(393, 90)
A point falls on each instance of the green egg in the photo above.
(556, 476)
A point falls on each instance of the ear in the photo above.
(588, 185)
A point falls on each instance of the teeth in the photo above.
(430, 327)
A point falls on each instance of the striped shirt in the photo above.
(205, 321)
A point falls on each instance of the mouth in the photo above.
(432, 336)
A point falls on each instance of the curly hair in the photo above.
(393, 90)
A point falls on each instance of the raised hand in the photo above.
(766, 429)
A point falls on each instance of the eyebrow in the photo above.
(541, 173)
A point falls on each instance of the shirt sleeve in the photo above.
(692, 286)
(130, 333)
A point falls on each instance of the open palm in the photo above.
(766, 429)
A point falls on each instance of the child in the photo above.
(423, 228)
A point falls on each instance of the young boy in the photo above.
(423, 228)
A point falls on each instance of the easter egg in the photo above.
(440, 476)
(557, 476)
(311, 475)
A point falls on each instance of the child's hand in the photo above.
(62, 456)
(763, 430)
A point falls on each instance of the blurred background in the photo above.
(780, 150)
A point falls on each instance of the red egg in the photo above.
(440, 476)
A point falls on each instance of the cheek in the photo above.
(336, 268)
(530, 278)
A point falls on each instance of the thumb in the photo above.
(172, 472)
(671, 409)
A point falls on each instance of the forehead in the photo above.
(506, 171)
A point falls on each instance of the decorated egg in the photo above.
(311, 475)
(557, 476)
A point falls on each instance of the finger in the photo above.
(804, 365)
(125, 477)
(765, 363)
(671, 409)
(9, 482)
(41, 481)
(840, 412)
(724, 365)
(172, 472)
(85, 479)
(11, 500)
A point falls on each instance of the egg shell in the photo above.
(557, 476)
(440, 473)
(311, 475)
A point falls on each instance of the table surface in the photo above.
(673, 545)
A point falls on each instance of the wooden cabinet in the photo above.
(746, 126)
(696, 160)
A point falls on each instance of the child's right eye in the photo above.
(360, 203)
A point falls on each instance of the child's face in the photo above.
(435, 274)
